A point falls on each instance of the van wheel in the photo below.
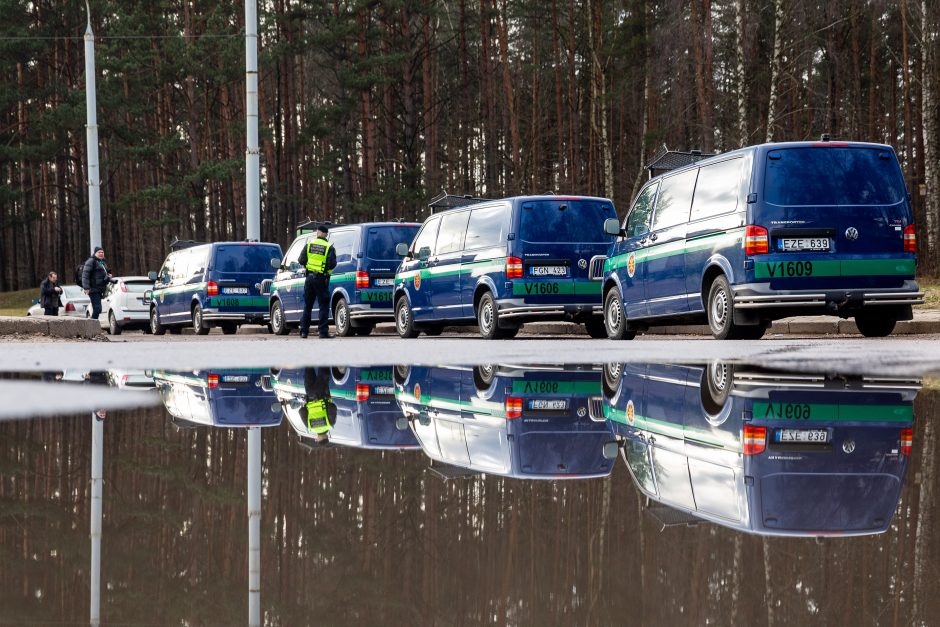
(483, 376)
(488, 318)
(229, 328)
(199, 326)
(596, 328)
(341, 318)
(113, 327)
(721, 314)
(155, 327)
(716, 383)
(615, 319)
(870, 324)
(278, 322)
(400, 373)
(404, 320)
(612, 375)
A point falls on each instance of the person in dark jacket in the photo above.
(319, 258)
(49, 294)
(95, 277)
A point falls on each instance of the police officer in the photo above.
(319, 413)
(319, 258)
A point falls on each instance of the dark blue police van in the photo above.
(217, 398)
(367, 415)
(500, 263)
(762, 233)
(527, 423)
(210, 285)
(361, 283)
(773, 453)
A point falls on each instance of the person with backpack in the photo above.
(49, 294)
(95, 277)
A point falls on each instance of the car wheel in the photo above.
(870, 324)
(199, 325)
(229, 328)
(717, 381)
(721, 314)
(596, 328)
(278, 321)
(155, 327)
(488, 318)
(341, 318)
(404, 320)
(113, 327)
(615, 318)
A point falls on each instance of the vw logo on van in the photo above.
(851, 233)
(582, 263)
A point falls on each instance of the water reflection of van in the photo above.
(366, 411)
(532, 423)
(217, 398)
(765, 452)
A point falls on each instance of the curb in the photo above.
(52, 326)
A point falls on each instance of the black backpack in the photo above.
(79, 270)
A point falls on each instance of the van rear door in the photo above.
(236, 269)
(835, 215)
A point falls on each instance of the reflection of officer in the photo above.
(319, 413)
(319, 257)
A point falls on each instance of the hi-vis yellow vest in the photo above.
(317, 250)
(317, 420)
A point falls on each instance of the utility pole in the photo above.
(91, 133)
(252, 156)
(254, 526)
(97, 466)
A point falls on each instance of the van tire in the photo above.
(155, 327)
(404, 319)
(615, 319)
(341, 320)
(199, 325)
(612, 375)
(483, 376)
(278, 320)
(715, 386)
(870, 324)
(596, 328)
(400, 373)
(720, 312)
(488, 318)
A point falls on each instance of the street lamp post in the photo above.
(252, 156)
(91, 133)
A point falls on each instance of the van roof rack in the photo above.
(180, 244)
(447, 472)
(665, 160)
(444, 201)
(310, 226)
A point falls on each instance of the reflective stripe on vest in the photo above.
(317, 420)
(317, 250)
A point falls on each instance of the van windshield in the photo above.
(246, 258)
(833, 176)
(565, 220)
(381, 240)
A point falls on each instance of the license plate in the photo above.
(792, 244)
(234, 290)
(548, 271)
(546, 404)
(811, 436)
(235, 378)
(384, 390)
(383, 282)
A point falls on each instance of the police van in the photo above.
(766, 232)
(500, 263)
(360, 285)
(217, 398)
(206, 285)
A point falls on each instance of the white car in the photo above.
(123, 306)
(74, 302)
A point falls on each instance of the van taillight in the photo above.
(755, 439)
(362, 392)
(910, 239)
(213, 381)
(513, 407)
(756, 241)
(513, 268)
(362, 279)
(907, 440)
(212, 289)
(69, 307)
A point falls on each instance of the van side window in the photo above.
(293, 253)
(675, 200)
(426, 237)
(638, 222)
(487, 228)
(344, 242)
(717, 189)
(453, 229)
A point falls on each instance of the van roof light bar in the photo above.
(665, 160)
(311, 225)
(181, 244)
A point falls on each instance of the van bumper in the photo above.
(516, 310)
(759, 296)
(252, 318)
(368, 312)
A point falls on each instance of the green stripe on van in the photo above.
(716, 437)
(831, 412)
(552, 288)
(833, 267)
(678, 247)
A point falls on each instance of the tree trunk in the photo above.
(502, 18)
(931, 149)
(741, 44)
(775, 69)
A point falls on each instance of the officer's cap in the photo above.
(322, 228)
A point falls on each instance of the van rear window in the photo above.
(381, 240)
(833, 176)
(247, 258)
(565, 220)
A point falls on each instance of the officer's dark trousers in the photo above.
(95, 298)
(317, 286)
(51, 311)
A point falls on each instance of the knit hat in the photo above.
(97, 248)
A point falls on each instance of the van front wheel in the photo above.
(870, 324)
(615, 320)
(404, 320)
(721, 314)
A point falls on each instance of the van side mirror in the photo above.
(612, 227)
(152, 275)
(401, 249)
(424, 253)
(276, 263)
